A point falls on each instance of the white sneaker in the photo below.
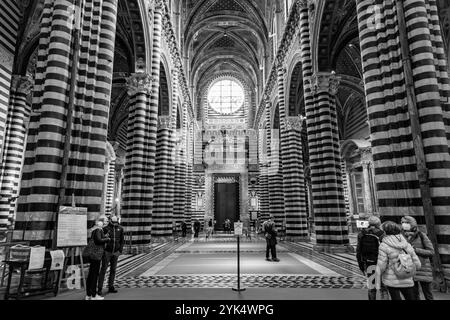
(97, 297)
(88, 298)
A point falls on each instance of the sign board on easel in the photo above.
(72, 227)
(71, 236)
(238, 227)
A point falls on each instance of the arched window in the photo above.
(226, 96)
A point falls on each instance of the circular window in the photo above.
(226, 96)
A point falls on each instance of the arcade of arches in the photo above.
(163, 111)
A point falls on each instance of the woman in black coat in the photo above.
(100, 239)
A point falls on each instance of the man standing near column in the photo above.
(270, 233)
(111, 255)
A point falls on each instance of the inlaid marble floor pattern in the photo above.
(213, 264)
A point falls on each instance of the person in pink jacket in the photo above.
(392, 245)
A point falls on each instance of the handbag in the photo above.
(93, 251)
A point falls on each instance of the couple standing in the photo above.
(108, 240)
(270, 233)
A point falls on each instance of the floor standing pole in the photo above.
(238, 267)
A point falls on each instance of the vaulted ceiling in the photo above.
(225, 37)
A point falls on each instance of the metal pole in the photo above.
(422, 170)
(238, 267)
(70, 107)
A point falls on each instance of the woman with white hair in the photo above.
(98, 240)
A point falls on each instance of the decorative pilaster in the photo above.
(324, 155)
(13, 147)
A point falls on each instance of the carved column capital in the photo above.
(23, 84)
(166, 122)
(295, 123)
(139, 83)
(325, 81)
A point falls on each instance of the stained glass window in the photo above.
(226, 96)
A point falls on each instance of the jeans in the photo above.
(91, 282)
(426, 290)
(408, 293)
(270, 246)
(108, 259)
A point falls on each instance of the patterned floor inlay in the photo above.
(249, 281)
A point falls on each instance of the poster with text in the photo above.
(37, 256)
(57, 259)
(72, 227)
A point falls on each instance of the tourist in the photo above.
(99, 239)
(367, 253)
(183, 229)
(196, 228)
(209, 229)
(111, 254)
(396, 263)
(270, 233)
(425, 251)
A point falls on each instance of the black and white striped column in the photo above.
(190, 195)
(294, 192)
(138, 184)
(325, 163)
(275, 177)
(263, 183)
(41, 178)
(13, 147)
(394, 156)
(164, 181)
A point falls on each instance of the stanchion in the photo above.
(238, 267)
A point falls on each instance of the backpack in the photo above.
(404, 266)
(369, 248)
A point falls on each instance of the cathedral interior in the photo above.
(319, 113)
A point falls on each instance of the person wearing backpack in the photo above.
(397, 263)
(425, 251)
(367, 252)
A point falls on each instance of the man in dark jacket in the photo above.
(270, 233)
(111, 255)
(367, 252)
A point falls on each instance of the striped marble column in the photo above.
(295, 213)
(324, 155)
(394, 156)
(179, 204)
(10, 18)
(346, 187)
(41, 179)
(139, 171)
(13, 147)
(263, 183)
(110, 185)
(164, 181)
(190, 195)
(275, 177)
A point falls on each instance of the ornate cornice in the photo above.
(139, 83)
(325, 81)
